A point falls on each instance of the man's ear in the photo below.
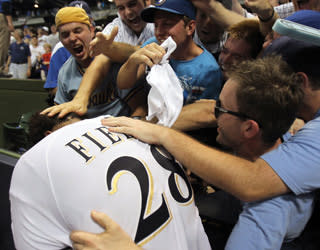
(304, 79)
(250, 129)
(191, 27)
(48, 132)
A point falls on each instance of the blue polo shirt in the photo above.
(19, 52)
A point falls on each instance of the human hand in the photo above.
(296, 125)
(113, 238)
(262, 8)
(149, 55)
(206, 6)
(144, 131)
(65, 108)
(102, 43)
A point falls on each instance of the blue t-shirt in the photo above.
(267, 224)
(199, 77)
(297, 160)
(56, 62)
(19, 52)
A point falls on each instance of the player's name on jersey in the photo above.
(101, 137)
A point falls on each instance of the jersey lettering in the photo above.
(78, 147)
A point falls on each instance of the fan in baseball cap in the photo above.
(180, 7)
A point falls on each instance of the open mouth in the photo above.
(135, 21)
(78, 49)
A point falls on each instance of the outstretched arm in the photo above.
(93, 76)
(196, 115)
(249, 181)
(218, 13)
(116, 51)
(113, 238)
(265, 11)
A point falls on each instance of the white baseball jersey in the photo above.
(84, 167)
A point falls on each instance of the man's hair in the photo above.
(248, 30)
(39, 124)
(270, 93)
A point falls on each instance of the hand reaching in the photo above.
(113, 238)
(102, 43)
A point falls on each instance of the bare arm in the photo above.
(196, 115)
(10, 23)
(29, 66)
(116, 51)
(93, 76)
(249, 181)
(265, 11)
(217, 12)
(133, 69)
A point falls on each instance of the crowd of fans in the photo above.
(244, 90)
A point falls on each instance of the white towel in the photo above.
(165, 99)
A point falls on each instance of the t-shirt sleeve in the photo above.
(297, 160)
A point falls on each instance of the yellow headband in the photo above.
(70, 15)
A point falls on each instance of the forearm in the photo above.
(195, 116)
(93, 76)
(128, 74)
(222, 16)
(10, 23)
(29, 62)
(246, 180)
(266, 26)
(120, 52)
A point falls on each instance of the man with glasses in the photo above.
(254, 109)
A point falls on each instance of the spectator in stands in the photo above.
(37, 51)
(209, 33)
(59, 56)
(19, 60)
(45, 61)
(196, 68)
(27, 34)
(244, 42)
(53, 38)
(43, 33)
(6, 26)
(131, 29)
(75, 34)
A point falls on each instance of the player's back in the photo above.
(84, 167)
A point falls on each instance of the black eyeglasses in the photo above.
(218, 110)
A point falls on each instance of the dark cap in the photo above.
(180, 7)
(301, 56)
(81, 4)
(306, 17)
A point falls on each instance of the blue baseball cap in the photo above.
(81, 4)
(306, 17)
(180, 7)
